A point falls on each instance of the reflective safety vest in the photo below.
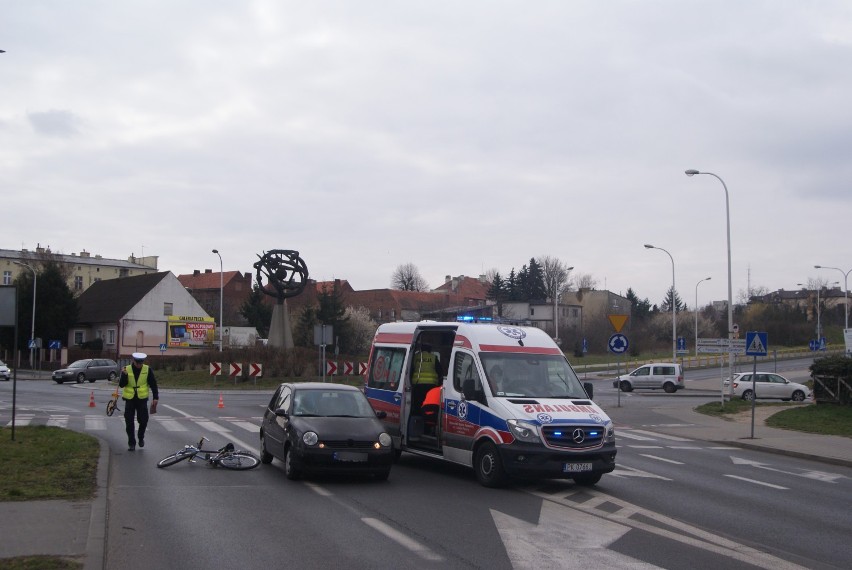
(136, 386)
(424, 368)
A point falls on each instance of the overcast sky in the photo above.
(459, 136)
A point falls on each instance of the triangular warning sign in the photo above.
(756, 346)
(617, 321)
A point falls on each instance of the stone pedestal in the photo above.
(280, 331)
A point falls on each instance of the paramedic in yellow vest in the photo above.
(137, 382)
(426, 368)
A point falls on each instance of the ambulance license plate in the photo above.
(350, 456)
(576, 467)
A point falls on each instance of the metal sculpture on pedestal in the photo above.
(288, 275)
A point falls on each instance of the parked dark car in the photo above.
(90, 369)
(318, 427)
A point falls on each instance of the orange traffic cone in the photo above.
(92, 400)
(221, 401)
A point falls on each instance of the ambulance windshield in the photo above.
(530, 376)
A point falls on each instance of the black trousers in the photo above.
(135, 409)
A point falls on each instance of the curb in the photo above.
(96, 543)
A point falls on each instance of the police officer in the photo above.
(137, 381)
(427, 368)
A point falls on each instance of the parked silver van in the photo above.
(656, 375)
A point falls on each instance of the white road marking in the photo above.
(661, 459)
(58, 421)
(631, 435)
(660, 435)
(758, 482)
(402, 539)
(96, 423)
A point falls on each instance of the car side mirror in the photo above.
(381, 414)
(281, 413)
(590, 390)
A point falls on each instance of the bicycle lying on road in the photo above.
(227, 456)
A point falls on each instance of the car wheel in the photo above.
(626, 386)
(112, 376)
(748, 395)
(81, 378)
(669, 388)
(798, 396)
(587, 480)
(489, 466)
(290, 470)
(265, 456)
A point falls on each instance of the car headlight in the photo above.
(385, 440)
(610, 433)
(310, 438)
(524, 431)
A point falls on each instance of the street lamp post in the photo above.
(696, 312)
(556, 306)
(693, 172)
(221, 300)
(32, 329)
(674, 305)
(845, 291)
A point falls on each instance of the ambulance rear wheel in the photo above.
(489, 466)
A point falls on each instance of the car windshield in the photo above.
(331, 403)
(531, 376)
(79, 364)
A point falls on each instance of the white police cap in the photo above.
(139, 356)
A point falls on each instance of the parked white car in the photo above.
(5, 373)
(768, 385)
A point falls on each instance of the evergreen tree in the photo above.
(497, 292)
(536, 289)
(666, 305)
(641, 309)
(512, 289)
(256, 312)
(56, 307)
(332, 311)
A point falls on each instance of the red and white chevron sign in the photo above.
(362, 368)
(330, 368)
(255, 369)
(236, 368)
(347, 368)
(215, 368)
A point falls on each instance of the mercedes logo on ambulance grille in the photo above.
(579, 436)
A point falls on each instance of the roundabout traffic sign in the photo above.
(618, 343)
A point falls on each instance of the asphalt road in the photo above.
(670, 504)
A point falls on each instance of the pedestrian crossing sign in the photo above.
(756, 343)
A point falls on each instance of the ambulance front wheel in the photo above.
(489, 466)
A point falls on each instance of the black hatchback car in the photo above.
(318, 427)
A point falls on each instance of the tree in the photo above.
(256, 312)
(498, 292)
(641, 309)
(406, 277)
(363, 329)
(56, 306)
(586, 281)
(556, 276)
(666, 305)
(536, 290)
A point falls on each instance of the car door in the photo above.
(776, 386)
(641, 377)
(275, 427)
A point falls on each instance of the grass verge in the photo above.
(39, 563)
(47, 463)
(824, 419)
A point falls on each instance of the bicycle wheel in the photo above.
(112, 405)
(241, 460)
(175, 458)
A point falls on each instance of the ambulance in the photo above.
(510, 404)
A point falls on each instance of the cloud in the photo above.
(54, 123)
